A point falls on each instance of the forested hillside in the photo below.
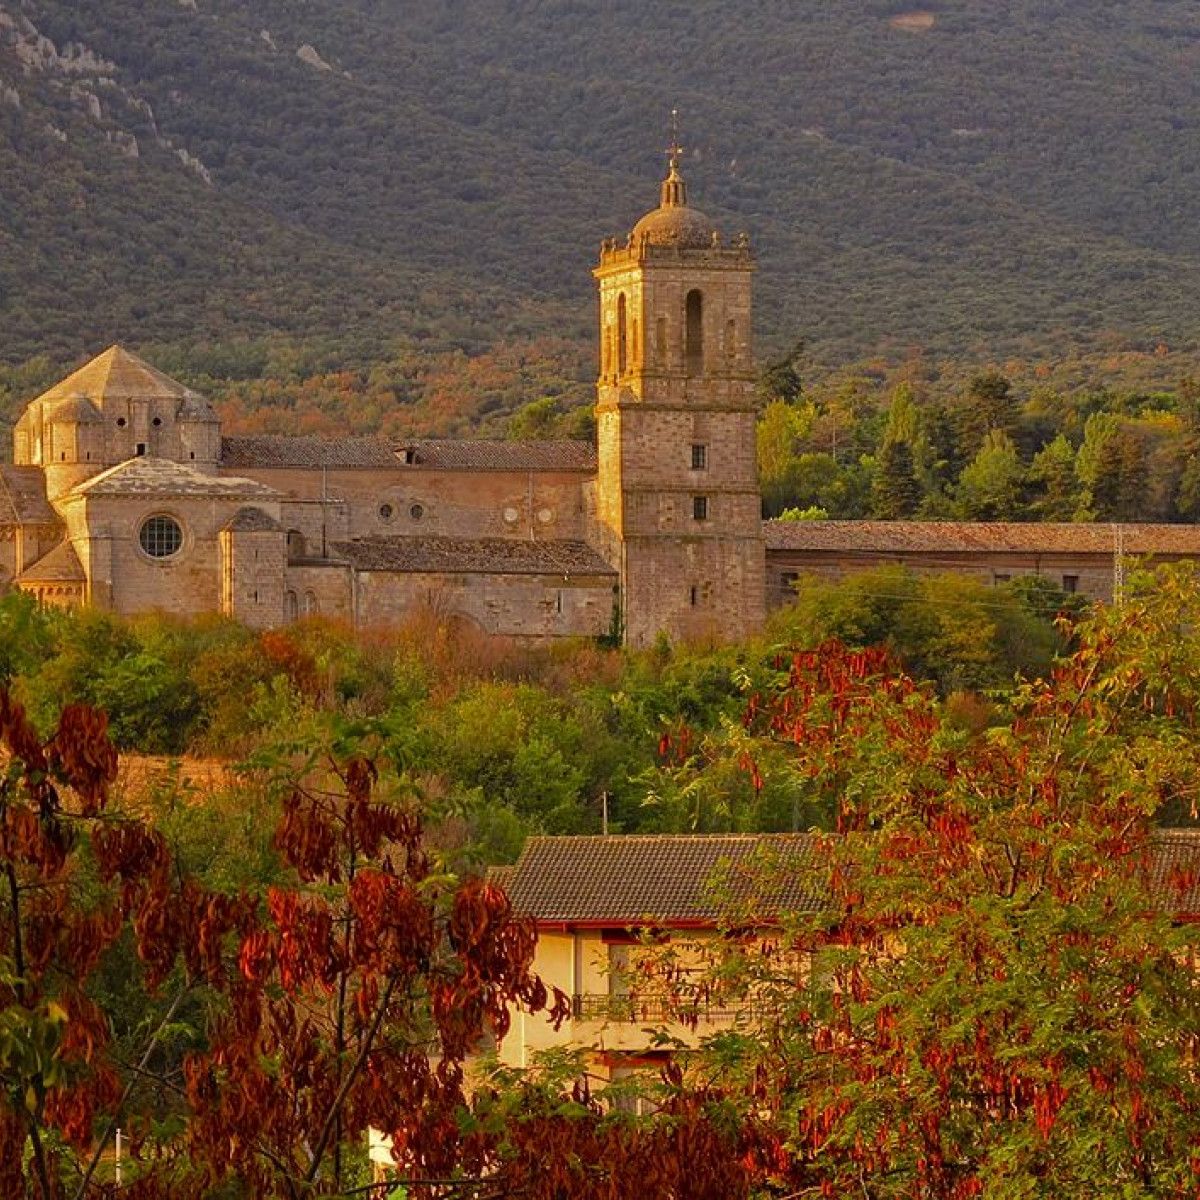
(969, 178)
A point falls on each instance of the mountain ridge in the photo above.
(445, 175)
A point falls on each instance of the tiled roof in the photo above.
(663, 879)
(61, 565)
(502, 877)
(633, 880)
(983, 537)
(500, 556)
(161, 477)
(252, 520)
(116, 374)
(1175, 870)
(475, 455)
(282, 450)
(23, 497)
(77, 410)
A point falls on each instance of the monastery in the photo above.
(123, 494)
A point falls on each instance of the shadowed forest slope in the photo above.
(967, 178)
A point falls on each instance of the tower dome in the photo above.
(674, 222)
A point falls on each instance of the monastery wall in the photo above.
(408, 501)
(324, 589)
(1089, 575)
(540, 606)
(124, 578)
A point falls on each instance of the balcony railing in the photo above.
(658, 1010)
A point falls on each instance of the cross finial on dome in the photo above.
(674, 190)
(674, 150)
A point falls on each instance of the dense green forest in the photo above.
(970, 178)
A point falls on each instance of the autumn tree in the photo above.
(1000, 1001)
(347, 996)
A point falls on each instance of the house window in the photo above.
(695, 595)
(311, 607)
(417, 511)
(1071, 583)
(699, 457)
(160, 537)
(386, 512)
(141, 449)
(291, 607)
(997, 577)
(700, 508)
(156, 422)
(787, 584)
(120, 422)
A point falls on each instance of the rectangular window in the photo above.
(699, 457)
(660, 339)
(700, 508)
(1071, 583)
(141, 449)
(998, 578)
(695, 595)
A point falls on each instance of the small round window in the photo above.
(120, 422)
(156, 422)
(417, 512)
(160, 537)
(386, 512)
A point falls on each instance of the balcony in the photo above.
(655, 1011)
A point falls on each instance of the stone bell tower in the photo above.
(677, 494)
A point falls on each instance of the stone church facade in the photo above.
(123, 493)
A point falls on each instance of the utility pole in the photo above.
(1118, 566)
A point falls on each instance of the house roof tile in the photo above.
(501, 556)
(282, 451)
(678, 879)
(983, 537)
(252, 520)
(61, 565)
(23, 497)
(161, 477)
(118, 375)
(655, 878)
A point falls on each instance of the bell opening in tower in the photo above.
(695, 332)
(622, 336)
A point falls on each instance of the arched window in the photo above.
(695, 333)
(622, 336)
(311, 607)
(291, 608)
(295, 545)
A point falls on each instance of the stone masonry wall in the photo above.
(540, 606)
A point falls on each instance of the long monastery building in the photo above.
(124, 494)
